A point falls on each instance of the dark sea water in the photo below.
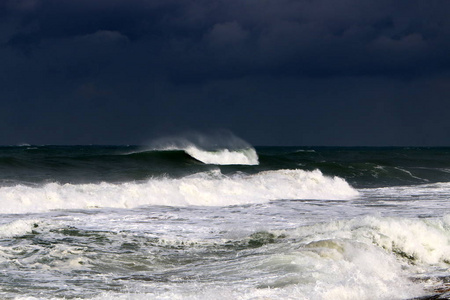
(220, 222)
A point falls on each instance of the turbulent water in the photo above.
(191, 222)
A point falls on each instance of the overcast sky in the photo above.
(274, 72)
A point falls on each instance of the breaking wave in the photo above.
(201, 189)
(216, 157)
(222, 156)
(222, 148)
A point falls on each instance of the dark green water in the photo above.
(361, 167)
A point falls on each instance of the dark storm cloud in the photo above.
(275, 71)
(205, 39)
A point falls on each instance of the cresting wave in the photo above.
(220, 148)
(247, 156)
(201, 189)
(224, 156)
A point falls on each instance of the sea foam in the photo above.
(201, 189)
(416, 241)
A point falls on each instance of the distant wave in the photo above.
(220, 148)
(202, 189)
(217, 157)
(222, 156)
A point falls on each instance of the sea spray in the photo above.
(212, 140)
(220, 148)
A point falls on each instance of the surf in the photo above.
(211, 188)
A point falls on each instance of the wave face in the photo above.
(217, 157)
(202, 189)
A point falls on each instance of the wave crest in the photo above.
(220, 148)
(202, 189)
(224, 156)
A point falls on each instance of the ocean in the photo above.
(189, 221)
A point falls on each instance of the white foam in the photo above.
(341, 270)
(323, 261)
(18, 227)
(203, 189)
(224, 156)
(421, 241)
(429, 191)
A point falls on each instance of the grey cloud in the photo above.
(324, 38)
(229, 33)
(299, 38)
(254, 66)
